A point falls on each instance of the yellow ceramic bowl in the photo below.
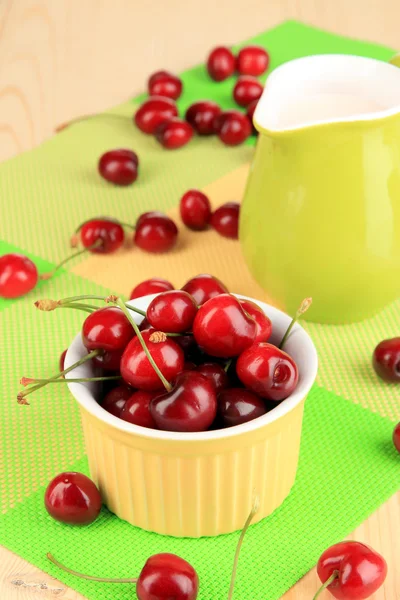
(196, 484)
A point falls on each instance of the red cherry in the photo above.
(155, 233)
(172, 312)
(18, 275)
(73, 498)
(225, 220)
(109, 231)
(233, 127)
(165, 84)
(108, 329)
(167, 577)
(174, 133)
(360, 571)
(195, 209)
(386, 359)
(151, 286)
(267, 371)
(396, 437)
(154, 111)
(136, 409)
(190, 406)
(119, 166)
(203, 287)
(246, 90)
(263, 323)
(109, 361)
(201, 116)
(250, 114)
(252, 60)
(116, 399)
(237, 406)
(222, 328)
(215, 373)
(186, 342)
(61, 360)
(137, 370)
(221, 63)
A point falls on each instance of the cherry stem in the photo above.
(253, 512)
(304, 306)
(126, 312)
(48, 305)
(50, 274)
(88, 118)
(83, 576)
(228, 364)
(331, 579)
(77, 380)
(85, 307)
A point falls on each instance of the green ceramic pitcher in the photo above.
(321, 211)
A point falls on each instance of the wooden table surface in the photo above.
(63, 58)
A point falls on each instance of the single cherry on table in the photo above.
(250, 114)
(232, 127)
(386, 360)
(101, 235)
(195, 210)
(174, 133)
(163, 83)
(203, 287)
(221, 63)
(201, 116)
(155, 285)
(119, 166)
(73, 498)
(225, 220)
(247, 89)
(155, 232)
(252, 60)
(18, 275)
(153, 112)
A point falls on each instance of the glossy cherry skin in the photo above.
(238, 405)
(215, 373)
(61, 360)
(137, 370)
(203, 287)
(115, 400)
(109, 361)
(263, 323)
(167, 577)
(252, 60)
(136, 409)
(195, 209)
(174, 133)
(156, 233)
(73, 498)
(108, 329)
(221, 63)
(246, 90)
(396, 437)
(119, 166)
(386, 360)
(201, 116)
(190, 406)
(172, 312)
(18, 275)
(225, 220)
(233, 127)
(222, 328)
(267, 371)
(151, 286)
(163, 83)
(154, 111)
(361, 570)
(109, 231)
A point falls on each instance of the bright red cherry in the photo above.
(151, 286)
(190, 406)
(174, 133)
(119, 166)
(136, 409)
(386, 360)
(222, 328)
(18, 275)
(165, 84)
(115, 400)
(157, 75)
(225, 220)
(172, 312)
(107, 329)
(155, 233)
(233, 127)
(237, 406)
(154, 111)
(195, 209)
(250, 114)
(167, 577)
(252, 60)
(396, 437)
(201, 116)
(61, 360)
(215, 373)
(73, 498)
(263, 323)
(221, 63)
(359, 570)
(106, 234)
(246, 90)
(203, 287)
(137, 370)
(267, 371)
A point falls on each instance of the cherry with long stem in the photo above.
(89, 577)
(328, 582)
(50, 274)
(75, 236)
(28, 380)
(47, 305)
(304, 306)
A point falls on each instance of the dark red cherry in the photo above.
(221, 63)
(145, 325)
(203, 287)
(190, 406)
(73, 498)
(237, 406)
(137, 370)
(172, 312)
(186, 342)
(215, 373)
(109, 231)
(222, 328)
(233, 127)
(119, 166)
(267, 371)
(195, 209)
(18, 275)
(136, 409)
(201, 116)
(174, 133)
(108, 329)
(154, 111)
(252, 60)
(116, 399)
(109, 361)
(163, 83)
(225, 220)
(156, 233)
(250, 114)
(386, 360)
(246, 90)
(189, 366)
(263, 323)
(151, 286)
(396, 437)
(61, 360)
(167, 577)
